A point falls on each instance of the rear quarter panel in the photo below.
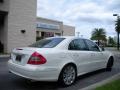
(58, 59)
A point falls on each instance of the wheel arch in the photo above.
(112, 57)
(70, 63)
(110, 63)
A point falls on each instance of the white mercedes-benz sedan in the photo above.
(59, 59)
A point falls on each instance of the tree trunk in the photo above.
(98, 42)
(118, 41)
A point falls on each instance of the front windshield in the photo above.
(47, 43)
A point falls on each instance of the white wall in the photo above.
(22, 15)
(68, 30)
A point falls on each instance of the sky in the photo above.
(85, 15)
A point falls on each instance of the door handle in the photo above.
(92, 54)
(75, 55)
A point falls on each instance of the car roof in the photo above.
(67, 37)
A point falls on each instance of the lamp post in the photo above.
(78, 34)
(117, 31)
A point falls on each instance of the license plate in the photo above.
(18, 58)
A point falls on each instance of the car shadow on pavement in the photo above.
(24, 84)
(91, 74)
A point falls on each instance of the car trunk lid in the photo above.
(21, 55)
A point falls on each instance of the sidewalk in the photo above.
(92, 87)
(3, 56)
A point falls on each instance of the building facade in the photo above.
(49, 28)
(19, 26)
(68, 30)
(17, 22)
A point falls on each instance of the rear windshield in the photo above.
(47, 43)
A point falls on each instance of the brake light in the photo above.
(36, 59)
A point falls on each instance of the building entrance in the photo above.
(2, 31)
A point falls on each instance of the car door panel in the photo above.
(82, 59)
(97, 58)
(80, 55)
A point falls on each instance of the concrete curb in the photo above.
(3, 56)
(92, 87)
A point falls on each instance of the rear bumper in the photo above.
(33, 72)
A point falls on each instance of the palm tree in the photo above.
(117, 29)
(111, 41)
(98, 34)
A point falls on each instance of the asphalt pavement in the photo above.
(9, 81)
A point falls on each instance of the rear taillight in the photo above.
(36, 59)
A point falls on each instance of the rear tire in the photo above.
(110, 64)
(68, 75)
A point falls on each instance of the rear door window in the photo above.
(77, 44)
